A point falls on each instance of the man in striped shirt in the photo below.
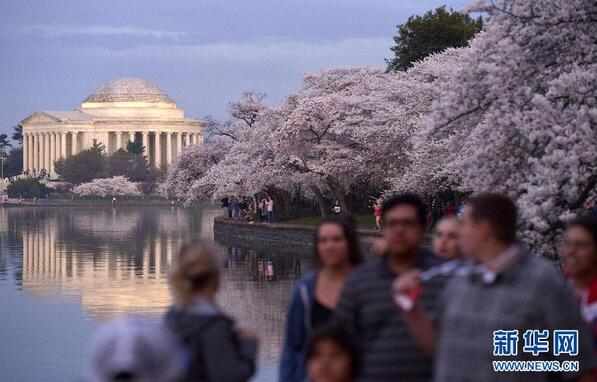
(389, 353)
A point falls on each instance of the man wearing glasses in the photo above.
(389, 353)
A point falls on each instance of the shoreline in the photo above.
(90, 203)
(291, 237)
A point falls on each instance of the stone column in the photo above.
(190, 136)
(40, 151)
(118, 140)
(168, 148)
(44, 155)
(178, 144)
(145, 143)
(31, 152)
(157, 150)
(52, 151)
(74, 148)
(63, 145)
(34, 162)
(25, 152)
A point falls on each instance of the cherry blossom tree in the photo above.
(191, 166)
(115, 186)
(212, 168)
(425, 170)
(343, 126)
(525, 93)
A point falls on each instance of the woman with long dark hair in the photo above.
(316, 294)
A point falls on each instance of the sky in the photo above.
(203, 54)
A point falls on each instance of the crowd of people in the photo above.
(248, 208)
(409, 314)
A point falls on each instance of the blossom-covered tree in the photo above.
(425, 171)
(346, 125)
(191, 177)
(530, 77)
(190, 167)
(115, 186)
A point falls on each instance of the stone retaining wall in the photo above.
(286, 237)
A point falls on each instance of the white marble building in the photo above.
(122, 110)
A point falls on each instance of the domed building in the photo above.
(122, 110)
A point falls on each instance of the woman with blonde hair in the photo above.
(217, 350)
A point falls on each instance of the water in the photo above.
(65, 270)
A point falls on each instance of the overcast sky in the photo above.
(203, 54)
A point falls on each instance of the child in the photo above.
(218, 351)
(332, 355)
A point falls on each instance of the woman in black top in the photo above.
(316, 294)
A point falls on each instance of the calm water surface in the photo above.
(65, 270)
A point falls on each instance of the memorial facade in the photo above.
(122, 110)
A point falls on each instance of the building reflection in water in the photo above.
(115, 261)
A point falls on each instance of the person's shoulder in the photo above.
(543, 269)
(429, 259)
(365, 269)
(308, 278)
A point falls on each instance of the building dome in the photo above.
(129, 89)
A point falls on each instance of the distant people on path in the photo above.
(579, 254)
(337, 209)
(315, 296)
(135, 350)
(460, 208)
(366, 306)
(591, 207)
(218, 350)
(263, 210)
(377, 214)
(449, 209)
(234, 207)
(270, 209)
(445, 238)
(505, 293)
(225, 203)
(332, 354)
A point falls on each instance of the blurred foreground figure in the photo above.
(218, 351)
(508, 306)
(445, 238)
(134, 350)
(332, 354)
(316, 294)
(389, 352)
(579, 253)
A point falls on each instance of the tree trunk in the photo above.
(320, 200)
(285, 196)
(337, 191)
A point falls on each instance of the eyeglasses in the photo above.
(401, 223)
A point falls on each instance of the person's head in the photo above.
(445, 238)
(488, 220)
(134, 350)
(195, 271)
(332, 354)
(337, 243)
(403, 223)
(579, 249)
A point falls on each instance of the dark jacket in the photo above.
(216, 353)
(298, 328)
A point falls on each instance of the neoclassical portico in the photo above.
(122, 110)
